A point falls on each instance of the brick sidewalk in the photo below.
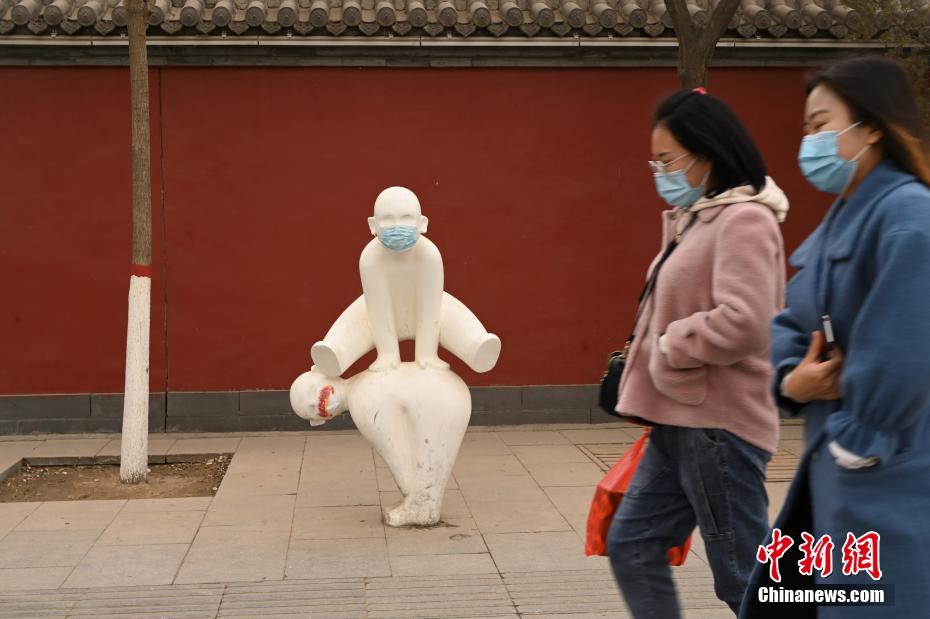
(295, 529)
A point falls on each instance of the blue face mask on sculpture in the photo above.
(674, 187)
(398, 238)
(821, 163)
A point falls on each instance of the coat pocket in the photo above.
(688, 386)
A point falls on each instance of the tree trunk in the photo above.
(692, 64)
(134, 448)
(696, 44)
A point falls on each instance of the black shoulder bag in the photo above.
(616, 362)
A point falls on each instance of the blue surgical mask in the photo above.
(398, 238)
(822, 164)
(675, 188)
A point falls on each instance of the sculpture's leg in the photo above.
(387, 431)
(435, 437)
(464, 335)
(377, 294)
(429, 297)
(346, 342)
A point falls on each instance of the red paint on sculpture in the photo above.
(325, 393)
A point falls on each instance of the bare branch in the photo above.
(719, 18)
(681, 19)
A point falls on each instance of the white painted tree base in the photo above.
(135, 439)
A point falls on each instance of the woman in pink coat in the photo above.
(698, 368)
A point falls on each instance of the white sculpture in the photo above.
(415, 418)
(414, 414)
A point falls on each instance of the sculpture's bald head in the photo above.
(317, 397)
(397, 206)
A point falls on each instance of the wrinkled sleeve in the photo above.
(886, 374)
(789, 345)
(745, 294)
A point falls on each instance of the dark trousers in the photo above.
(689, 476)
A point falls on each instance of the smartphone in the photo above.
(827, 351)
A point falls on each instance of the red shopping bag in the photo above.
(607, 498)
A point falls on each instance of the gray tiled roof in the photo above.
(521, 19)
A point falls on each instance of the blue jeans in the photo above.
(689, 476)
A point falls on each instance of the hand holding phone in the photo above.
(829, 338)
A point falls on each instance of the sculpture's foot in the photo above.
(325, 359)
(487, 353)
(411, 513)
(385, 363)
(432, 363)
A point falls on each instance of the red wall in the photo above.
(534, 181)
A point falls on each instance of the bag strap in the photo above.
(649, 288)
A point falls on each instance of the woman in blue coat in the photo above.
(852, 352)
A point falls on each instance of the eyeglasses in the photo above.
(658, 167)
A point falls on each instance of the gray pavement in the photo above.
(295, 530)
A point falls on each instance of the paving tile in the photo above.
(337, 558)
(777, 492)
(279, 446)
(148, 528)
(230, 554)
(333, 599)
(333, 493)
(188, 504)
(566, 473)
(12, 454)
(512, 488)
(540, 552)
(583, 615)
(256, 483)
(483, 444)
(337, 522)
(602, 435)
(517, 516)
(442, 565)
(542, 454)
(67, 451)
(72, 515)
(184, 448)
(158, 450)
(11, 514)
(484, 466)
(791, 431)
(149, 603)
(19, 549)
(25, 578)
(269, 513)
(573, 502)
(457, 536)
(794, 446)
(532, 437)
(386, 481)
(565, 593)
(114, 566)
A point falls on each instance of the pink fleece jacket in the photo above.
(714, 300)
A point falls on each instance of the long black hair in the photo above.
(707, 127)
(878, 92)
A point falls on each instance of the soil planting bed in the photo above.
(101, 481)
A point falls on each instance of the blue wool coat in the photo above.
(868, 266)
